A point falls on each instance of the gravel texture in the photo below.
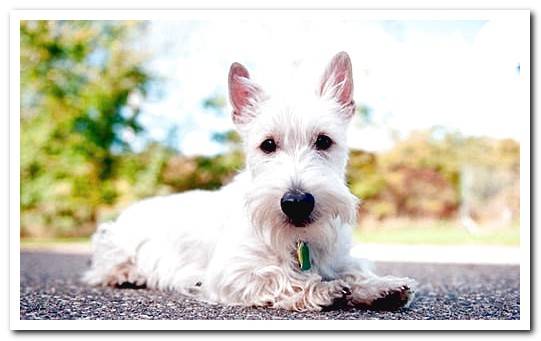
(50, 290)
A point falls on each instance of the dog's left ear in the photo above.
(337, 83)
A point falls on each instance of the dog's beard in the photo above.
(334, 202)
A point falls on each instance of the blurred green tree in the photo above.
(81, 85)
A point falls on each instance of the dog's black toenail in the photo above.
(391, 300)
(129, 285)
(346, 291)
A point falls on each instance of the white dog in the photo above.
(279, 234)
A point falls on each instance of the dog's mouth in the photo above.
(300, 223)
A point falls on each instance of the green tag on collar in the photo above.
(303, 256)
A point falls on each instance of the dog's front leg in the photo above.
(278, 287)
(312, 294)
(377, 292)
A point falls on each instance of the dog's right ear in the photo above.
(243, 94)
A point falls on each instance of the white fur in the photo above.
(234, 245)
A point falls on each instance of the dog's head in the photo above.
(296, 150)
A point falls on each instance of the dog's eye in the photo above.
(268, 146)
(323, 142)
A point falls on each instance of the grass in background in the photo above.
(38, 242)
(436, 233)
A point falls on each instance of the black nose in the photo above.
(297, 206)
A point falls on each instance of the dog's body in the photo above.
(279, 234)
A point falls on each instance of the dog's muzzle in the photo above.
(298, 206)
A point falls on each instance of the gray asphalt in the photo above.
(50, 290)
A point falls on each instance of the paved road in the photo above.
(50, 290)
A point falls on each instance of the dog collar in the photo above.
(303, 256)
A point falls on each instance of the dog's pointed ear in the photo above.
(243, 94)
(337, 83)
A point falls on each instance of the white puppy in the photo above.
(279, 235)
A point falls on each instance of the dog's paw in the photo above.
(393, 299)
(335, 294)
(383, 293)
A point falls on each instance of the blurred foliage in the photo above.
(77, 79)
(215, 102)
(81, 86)
(422, 176)
(183, 173)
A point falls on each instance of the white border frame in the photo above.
(17, 324)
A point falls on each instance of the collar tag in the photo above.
(303, 255)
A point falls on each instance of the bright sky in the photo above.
(461, 75)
